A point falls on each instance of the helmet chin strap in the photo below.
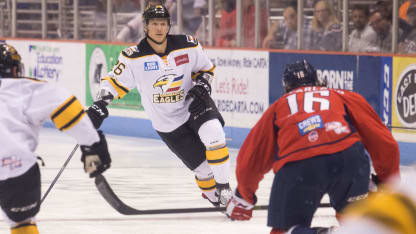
(159, 43)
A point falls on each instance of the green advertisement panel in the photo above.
(100, 59)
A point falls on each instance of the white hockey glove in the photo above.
(238, 208)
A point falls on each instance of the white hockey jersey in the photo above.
(162, 80)
(25, 104)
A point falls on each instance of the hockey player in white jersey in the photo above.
(25, 104)
(390, 210)
(172, 73)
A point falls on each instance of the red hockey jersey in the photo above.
(312, 121)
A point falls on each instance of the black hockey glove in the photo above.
(96, 158)
(200, 94)
(97, 113)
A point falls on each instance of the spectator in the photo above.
(133, 31)
(191, 14)
(326, 29)
(98, 31)
(382, 26)
(286, 31)
(227, 32)
(404, 9)
(126, 6)
(409, 44)
(363, 37)
(386, 8)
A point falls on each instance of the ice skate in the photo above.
(212, 197)
(224, 192)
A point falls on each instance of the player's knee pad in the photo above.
(212, 134)
(25, 228)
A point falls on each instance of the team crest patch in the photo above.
(169, 83)
(310, 124)
(313, 136)
(170, 86)
(151, 66)
(191, 39)
(181, 59)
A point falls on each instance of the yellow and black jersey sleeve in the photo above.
(68, 114)
(394, 211)
(209, 71)
(119, 88)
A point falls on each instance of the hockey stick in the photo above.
(59, 173)
(112, 199)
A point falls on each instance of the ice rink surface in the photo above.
(145, 175)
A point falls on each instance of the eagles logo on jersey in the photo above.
(170, 86)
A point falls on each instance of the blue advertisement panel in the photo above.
(339, 71)
(386, 85)
(369, 80)
(362, 74)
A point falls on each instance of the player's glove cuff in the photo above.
(238, 208)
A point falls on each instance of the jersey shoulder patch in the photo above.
(191, 39)
(183, 41)
(131, 52)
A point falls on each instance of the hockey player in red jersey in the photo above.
(25, 104)
(173, 74)
(314, 138)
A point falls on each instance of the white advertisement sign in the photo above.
(60, 62)
(241, 85)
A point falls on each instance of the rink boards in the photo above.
(246, 83)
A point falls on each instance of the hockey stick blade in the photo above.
(108, 194)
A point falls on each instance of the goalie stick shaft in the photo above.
(112, 199)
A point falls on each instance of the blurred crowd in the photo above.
(369, 27)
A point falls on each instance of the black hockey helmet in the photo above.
(300, 73)
(156, 12)
(10, 59)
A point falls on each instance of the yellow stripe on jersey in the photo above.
(68, 114)
(391, 210)
(120, 89)
(211, 70)
(33, 79)
(25, 229)
(196, 74)
(217, 156)
(206, 185)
